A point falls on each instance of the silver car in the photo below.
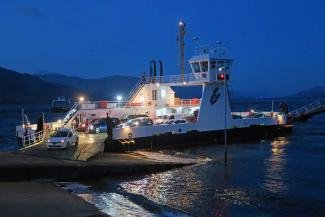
(63, 138)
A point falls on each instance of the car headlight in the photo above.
(63, 141)
(48, 140)
(91, 127)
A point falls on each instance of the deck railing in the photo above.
(309, 107)
(33, 138)
(187, 102)
(136, 88)
(174, 79)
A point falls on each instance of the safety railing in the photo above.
(71, 113)
(33, 138)
(91, 105)
(135, 89)
(173, 79)
(187, 102)
(305, 109)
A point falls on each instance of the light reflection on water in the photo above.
(275, 166)
(161, 188)
(115, 204)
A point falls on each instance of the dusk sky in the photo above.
(278, 46)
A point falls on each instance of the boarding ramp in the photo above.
(306, 112)
(90, 146)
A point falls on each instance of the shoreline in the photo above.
(22, 167)
(43, 199)
(27, 183)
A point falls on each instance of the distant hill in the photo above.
(25, 88)
(109, 87)
(98, 89)
(312, 93)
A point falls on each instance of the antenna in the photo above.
(181, 46)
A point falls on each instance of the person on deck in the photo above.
(87, 125)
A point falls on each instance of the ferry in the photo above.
(60, 104)
(196, 121)
(152, 116)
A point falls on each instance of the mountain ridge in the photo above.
(115, 84)
(18, 87)
(317, 92)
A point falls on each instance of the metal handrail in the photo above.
(33, 138)
(135, 89)
(305, 108)
(71, 113)
(190, 77)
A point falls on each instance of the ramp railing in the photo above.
(305, 109)
(33, 138)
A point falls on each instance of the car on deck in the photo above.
(82, 126)
(100, 125)
(177, 121)
(63, 138)
(132, 117)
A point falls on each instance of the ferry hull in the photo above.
(169, 140)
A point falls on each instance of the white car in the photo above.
(63, 138)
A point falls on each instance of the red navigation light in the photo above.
(221, 77)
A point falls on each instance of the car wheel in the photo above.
(77, 141)
(97, 130)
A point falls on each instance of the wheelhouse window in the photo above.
(227, 65)
(213, 64)
(204, 66)
(220, 64)
(196, 67)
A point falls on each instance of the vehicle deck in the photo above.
(90, 145)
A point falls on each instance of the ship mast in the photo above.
(181, 46)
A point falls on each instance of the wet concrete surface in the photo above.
(90, 145)
(14, 166)
(42, 199)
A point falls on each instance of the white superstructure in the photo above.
(209, 71)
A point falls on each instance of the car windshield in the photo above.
(60, 134)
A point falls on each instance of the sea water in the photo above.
(284, 176)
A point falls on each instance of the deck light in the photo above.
(81, 99)
(118, 97)
(180, 23)
(157, 84)
(141, 99)
(59, 121)
(163, 93)
(252, 111)
(184, 82)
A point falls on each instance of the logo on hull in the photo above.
(215, 96)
